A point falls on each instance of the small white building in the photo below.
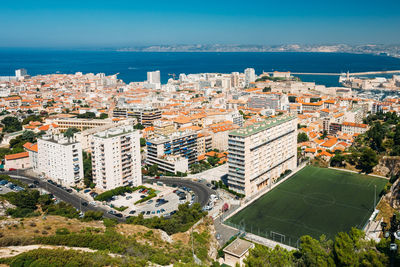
(116, 159)
(237, 251)
(60, 159)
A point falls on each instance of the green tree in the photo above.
(213, 160)
(103, 116)
(152, 170)
(324, 134)
(302, 137)
(315, 253)
(11, 124)
(368, 160)
(87, 170)
(337, 161)
(87, 115)
(31, 118)
(142, 142)
(138, 126)
(70, 132)
(264, 256)
(343, 250)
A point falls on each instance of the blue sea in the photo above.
(132, 66)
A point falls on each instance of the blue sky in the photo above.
(106, 23)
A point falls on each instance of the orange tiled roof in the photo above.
(324, 153)
(331, 142)
(17, 156)
(360, 125)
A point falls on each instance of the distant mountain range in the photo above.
(389, 50)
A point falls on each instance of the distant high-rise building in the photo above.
(116, 158)
(19, 73)
(235, 79)
(153, 77)
(250, 76)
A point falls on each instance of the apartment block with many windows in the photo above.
(116, 158)
(173, 153)
(60, 159)
(258, 154)
(145, 115)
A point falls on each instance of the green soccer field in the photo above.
(313, 202)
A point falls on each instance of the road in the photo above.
(63, 195)
(201, 191)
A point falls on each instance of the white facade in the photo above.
(260, 153)
(250, 76)
(153, 76)
(19, 73)
(116, 158)
(60, 159)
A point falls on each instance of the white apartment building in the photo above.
(260, 153)
(153, 76)
(116, 158)
(354, 128)
(60, 159)
(250, 76)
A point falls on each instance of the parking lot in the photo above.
(166, 202)
(6, 187)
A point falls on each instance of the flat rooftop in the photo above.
(261, 126)
(113, 132)
(238, 247)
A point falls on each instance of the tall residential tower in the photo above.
(116, 158)
(260, 153)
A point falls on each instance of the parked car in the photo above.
(118, 215)
(153, 212)
(143, 212)
(36, 182)
(84, 204)
(111, 212)
(142, 196)
(3, 182)
(150, 201)
(132, 212)
(86, 191)
(128, 197)
(148, 212)
(162, 210)
(12, 169)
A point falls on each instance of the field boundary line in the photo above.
(264, 191)
(346, 170)
(266, 242)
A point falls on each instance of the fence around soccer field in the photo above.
(267, 234)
